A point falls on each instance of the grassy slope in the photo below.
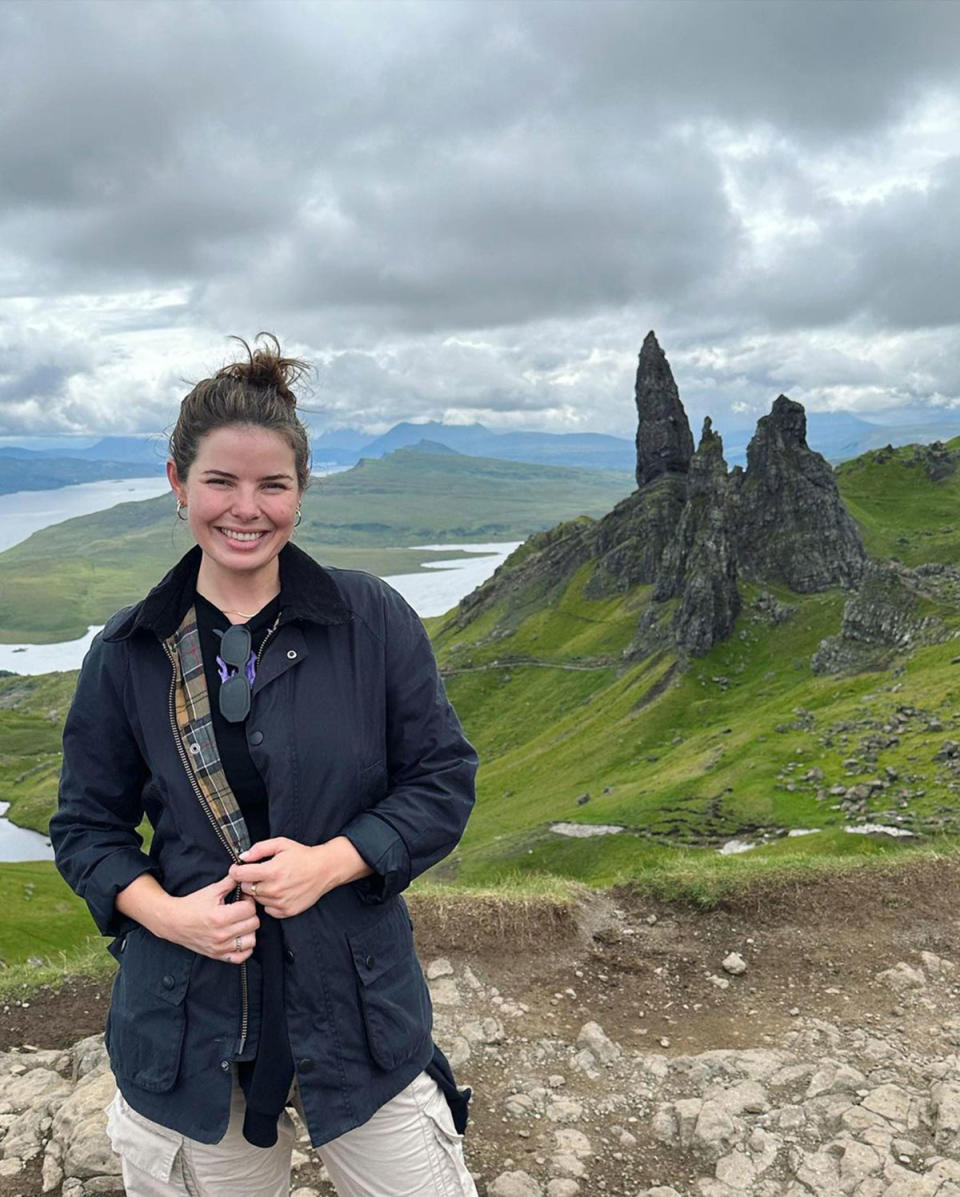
(64, 578)
(32, 710)
(41, 916)
(703, 760)
(902, 513)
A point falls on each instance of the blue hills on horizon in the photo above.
(837, 435)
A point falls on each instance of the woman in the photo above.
(283, 728)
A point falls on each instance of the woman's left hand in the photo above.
(287, 877)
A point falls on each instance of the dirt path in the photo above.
(512, 1000)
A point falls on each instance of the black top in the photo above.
(265, 1080)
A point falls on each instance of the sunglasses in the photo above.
(235, 690)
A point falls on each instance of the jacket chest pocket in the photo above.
(394, 999)
(147, 1020)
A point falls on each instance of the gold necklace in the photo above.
(242, 614)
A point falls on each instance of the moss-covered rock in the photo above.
(894, 610)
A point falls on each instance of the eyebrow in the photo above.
(265, 478)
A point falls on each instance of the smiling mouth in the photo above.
(241, 537)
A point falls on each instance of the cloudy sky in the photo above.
(475, 209)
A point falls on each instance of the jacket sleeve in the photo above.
(94, 836)
(431, 766)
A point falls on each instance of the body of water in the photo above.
(17, 843)
(429, 593)
(27, 511)
(446, 582)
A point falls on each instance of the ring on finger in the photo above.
(239, 942)
(253, 889)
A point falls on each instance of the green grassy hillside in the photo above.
(66, 577)
(747, 744)
(32, 711)
(901, 512)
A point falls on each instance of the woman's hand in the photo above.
(203, 921)
(286, 877)
(206, 923)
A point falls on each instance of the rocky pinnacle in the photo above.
(664, 440)
(791, 524)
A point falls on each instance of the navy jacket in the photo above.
(353, 734)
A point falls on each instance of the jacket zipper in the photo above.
(172, 710)
(263, 643)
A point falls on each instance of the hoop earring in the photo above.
(181, 508)
(299, 519)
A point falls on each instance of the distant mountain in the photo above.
(144, 450)
(337, 446)
(588, 451)
(841, 435)
(838, 436)
(425, 446)
(40, 472)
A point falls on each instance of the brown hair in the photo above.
(256, 391)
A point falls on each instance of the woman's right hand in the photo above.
(206, 923)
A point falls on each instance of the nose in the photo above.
(245, 505)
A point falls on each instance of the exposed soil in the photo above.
(642, 970)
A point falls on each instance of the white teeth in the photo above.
(241, 535)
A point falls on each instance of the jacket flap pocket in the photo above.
(157, 965)
(393, 994)
(147, 1019)
(381, 947)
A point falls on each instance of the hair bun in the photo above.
(266, 369)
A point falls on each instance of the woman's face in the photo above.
(241, 496)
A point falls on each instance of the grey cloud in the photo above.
(888, 260)
(483, 247)
(548, 180)
(34, 380)
(823, 70)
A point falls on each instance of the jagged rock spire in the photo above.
(708, 458)
(664, 440)
(781, 433)
(699, 565)
(791, 523)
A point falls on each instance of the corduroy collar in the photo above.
(309, 592)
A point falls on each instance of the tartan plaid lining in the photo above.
(195, 727)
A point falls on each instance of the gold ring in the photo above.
(253, 889)
(238, 943)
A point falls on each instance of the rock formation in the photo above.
(630, 541)
(664, 441)
(893, 610)
(691, 529)
(790, 523)
(699, 563)
(937, 460)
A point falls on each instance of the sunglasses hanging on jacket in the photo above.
(236, 655)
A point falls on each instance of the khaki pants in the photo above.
(409, 1148)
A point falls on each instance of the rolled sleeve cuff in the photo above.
(385, 852)
(113, 875)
